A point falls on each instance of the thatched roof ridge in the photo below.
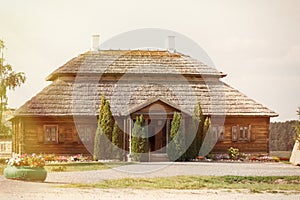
(134, 61)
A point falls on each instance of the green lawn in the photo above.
(84, 166)
(271, 184)
(77, 166)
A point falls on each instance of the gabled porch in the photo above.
(158, 114)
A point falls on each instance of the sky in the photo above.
(255, 42)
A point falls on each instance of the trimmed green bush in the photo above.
(103, 137)
(176, 148)
(139, 141)
(196, 134)
(117, 142)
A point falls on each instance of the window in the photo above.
(51, 133)
(218, 132)
(241, 133)
(85, 133)
(5, 146)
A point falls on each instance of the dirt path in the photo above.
(14, 190)
(33, 191)
(174, 169)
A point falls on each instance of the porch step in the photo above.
(159, 157)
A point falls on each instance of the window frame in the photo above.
(5, 146)
(85, 134)
(221, 132)
(217, 130)
(244, 135)
(46, 134)
(241, 133)
(2, 147)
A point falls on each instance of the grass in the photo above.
(255, 184)
(77, 166)
(82, 166)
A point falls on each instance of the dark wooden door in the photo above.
(158, 140)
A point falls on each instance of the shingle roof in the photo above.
(63, 98)
(134, 61)
(67, 97)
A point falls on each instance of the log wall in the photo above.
(259, 138)
(31, 137)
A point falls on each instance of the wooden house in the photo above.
(62, 118)
(5, 138)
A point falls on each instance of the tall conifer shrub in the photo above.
(139, 141)
(176, 148)
(103, 136)
(117, 141)
(197, 127)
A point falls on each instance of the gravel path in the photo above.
(14, 190)
(174, 169)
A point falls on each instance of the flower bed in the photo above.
(52, 158)
(233, 155)
(26, 167)
(35, 161)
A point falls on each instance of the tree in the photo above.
(197, 127)
(298, 128)
(103, 136)
(282, 135)
(117, 142)
(99, 144)
(176, 148)
(9, 80)
(139, 144)
(206, 126)
(207, 138)
(102, 104)
(107, 121)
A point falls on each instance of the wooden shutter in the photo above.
(61, 135)
(238, 132)
(235, 133)
(40, 134)
(75, 136)
(251, 135)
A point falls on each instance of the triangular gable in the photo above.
(157, 100)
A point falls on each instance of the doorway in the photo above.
(158, 135)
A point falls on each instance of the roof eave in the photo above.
(51, 77)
